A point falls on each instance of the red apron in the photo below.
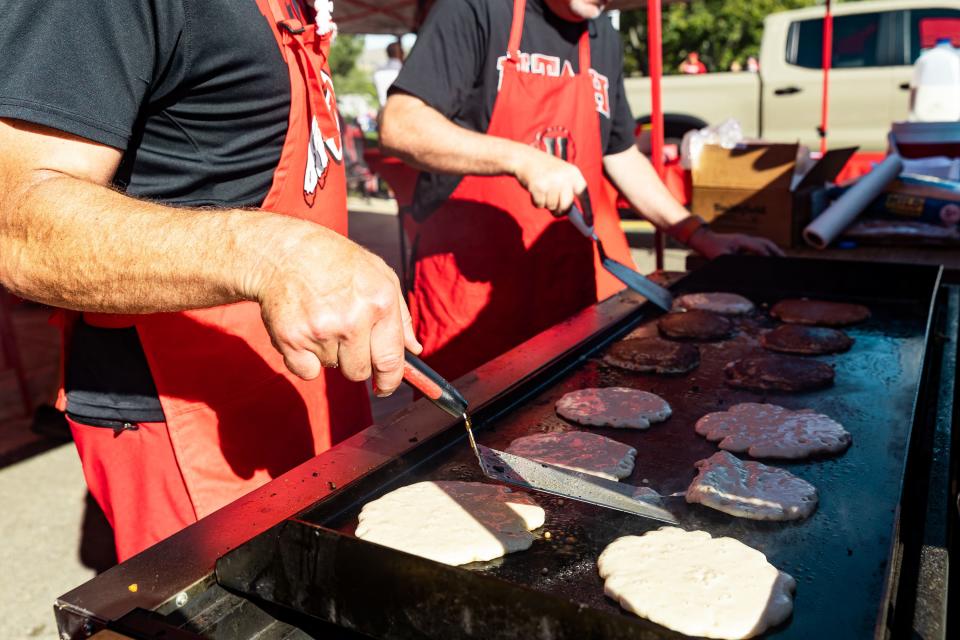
(235, 417)
(490, 269)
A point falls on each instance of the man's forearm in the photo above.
(422, 137)
(78, 245)
(637, 180)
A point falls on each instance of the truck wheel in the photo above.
(674, 126)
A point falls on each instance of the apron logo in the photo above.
(601, 92)
(322, 148)
(539, 64)
(556, 141)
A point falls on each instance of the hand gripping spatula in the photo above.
(583, 221)
(523, 472)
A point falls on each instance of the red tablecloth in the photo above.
(861, 163)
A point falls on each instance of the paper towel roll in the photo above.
(841, 214)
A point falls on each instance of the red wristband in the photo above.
(684, 230)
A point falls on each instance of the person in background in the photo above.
(753, 65)
(515, 109)
(692, 65)
(384, 76)
(736, 67)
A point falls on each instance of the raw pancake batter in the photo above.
(613, 407)
(578, 451)
(452, 522)
(695, 584)
(771, 431)
(751, 490)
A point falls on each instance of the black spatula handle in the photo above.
(443, 394)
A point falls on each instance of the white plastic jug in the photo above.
(935, 88)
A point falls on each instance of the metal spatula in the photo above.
(583, 221)
(523, 472)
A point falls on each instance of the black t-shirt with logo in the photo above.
(195, 94)
(455, 68)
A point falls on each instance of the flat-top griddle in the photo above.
(842, 557)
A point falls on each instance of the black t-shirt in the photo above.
(455, 68)
(197, 96)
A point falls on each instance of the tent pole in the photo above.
(655, 58)
(827, 60)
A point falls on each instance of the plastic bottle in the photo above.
(935, 87)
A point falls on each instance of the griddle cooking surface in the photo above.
(839, 555)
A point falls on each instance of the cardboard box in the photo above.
(751, 189)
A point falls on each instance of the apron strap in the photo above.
(277, 11)
(516, 30)
(583, 66)
(305, 43)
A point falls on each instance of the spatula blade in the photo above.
(645, 287)
(508, 468)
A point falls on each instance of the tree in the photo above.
(347, 78)
(720, 30)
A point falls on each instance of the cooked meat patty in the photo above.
(695, 325)
(768, 372)
(795, 338)
(729, 304)
(819, 312)
(653, 355)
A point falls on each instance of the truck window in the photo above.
(856, 40)
(929, 25)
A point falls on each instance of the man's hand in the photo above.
(552, 182)
(326, 301)
(711, 245)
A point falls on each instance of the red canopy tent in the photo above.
(378, 16)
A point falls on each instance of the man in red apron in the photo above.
(515, 108)
(194, 369)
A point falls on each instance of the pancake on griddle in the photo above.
(452, 522)
(695, 584)
(819, 312)
(772, 431)
(578, 451)
(729, 304)
(806, 340)
(653, 355)
(695, 325)
(751, 490)
(771, 372)
(620, 407)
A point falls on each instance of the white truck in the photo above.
(874, 47)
